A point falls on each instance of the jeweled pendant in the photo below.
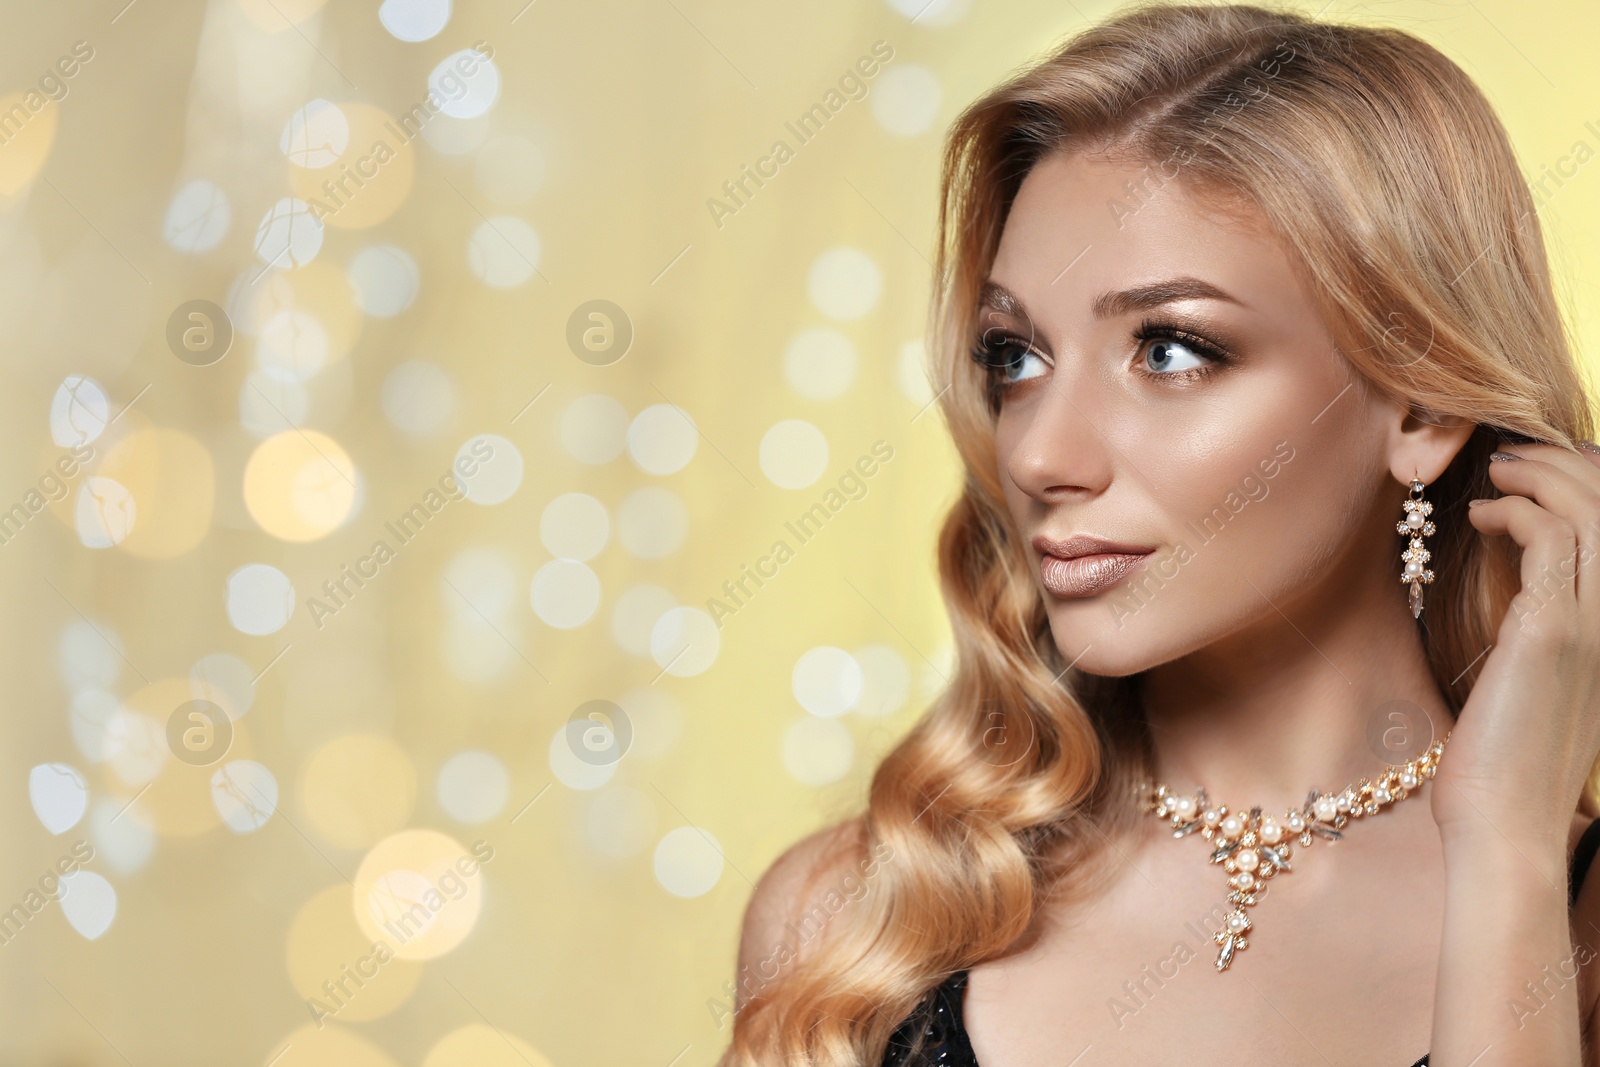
(1255, 850)
(1416, 600)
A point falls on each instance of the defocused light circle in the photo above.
(652, 523)
(594, 429)
(565, 594)
(906, 100)
(932, 12)
(59, 796)
(473, 786)
(418, 397)
(89, 655)
(316, 135)
(300, 485)
(827, 681)
(688, 862)
(260, 599)
(635, 615)
(90, 714)
(414, 20)
(817, 751)
(662, 439)
(844, 283)
(466, 83)
(289, 234)
(122, 837)
(324, 943)
(326, 1046)
(88, 901)
(503, 252)
(495, 468)
(912, 373)
(245, 794)
(385, 280)
(820, 363)
(481, 1045)
(197, 218)
(358, 788)
(422, 889)
(574, 526)
(105, 512)
(794, 454)
(79, 411)
(292, 347)
(479, 583)
(685, 641)
(886, 680)
(570, 769)
(226, 680)
(135, 746)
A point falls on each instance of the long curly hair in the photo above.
(1386, 172)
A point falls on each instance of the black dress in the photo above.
(945, 1042)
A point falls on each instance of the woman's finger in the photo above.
(1548, 600)
(1565, 484)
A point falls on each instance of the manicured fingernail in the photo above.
(1502, 457)
(1589, 446)
(1475, 503)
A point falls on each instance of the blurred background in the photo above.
(468, 493)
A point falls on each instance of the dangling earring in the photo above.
(1416, 555)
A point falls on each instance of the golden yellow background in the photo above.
(772, 347)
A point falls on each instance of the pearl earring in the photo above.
(1416, 556)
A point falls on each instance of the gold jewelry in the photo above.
(1254, 849)
(1416, 556)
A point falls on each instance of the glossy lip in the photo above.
(1084, 565)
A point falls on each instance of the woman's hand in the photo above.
(1527, 737)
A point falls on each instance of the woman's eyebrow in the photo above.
(1122, 302)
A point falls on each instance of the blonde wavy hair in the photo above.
(1385, 170)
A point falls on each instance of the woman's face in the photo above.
(1169, 388)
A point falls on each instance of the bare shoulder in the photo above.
(787, 917)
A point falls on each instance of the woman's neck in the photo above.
(1313, 696)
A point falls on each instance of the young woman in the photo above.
(1275, 584)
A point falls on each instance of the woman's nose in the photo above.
(1063, 449)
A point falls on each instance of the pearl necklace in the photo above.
(1254, 849)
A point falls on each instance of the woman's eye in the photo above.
(1166, 355)
(1010, 359)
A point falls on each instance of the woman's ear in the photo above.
(1422, 442)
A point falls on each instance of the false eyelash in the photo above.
(1151, 329)
(987, 349)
